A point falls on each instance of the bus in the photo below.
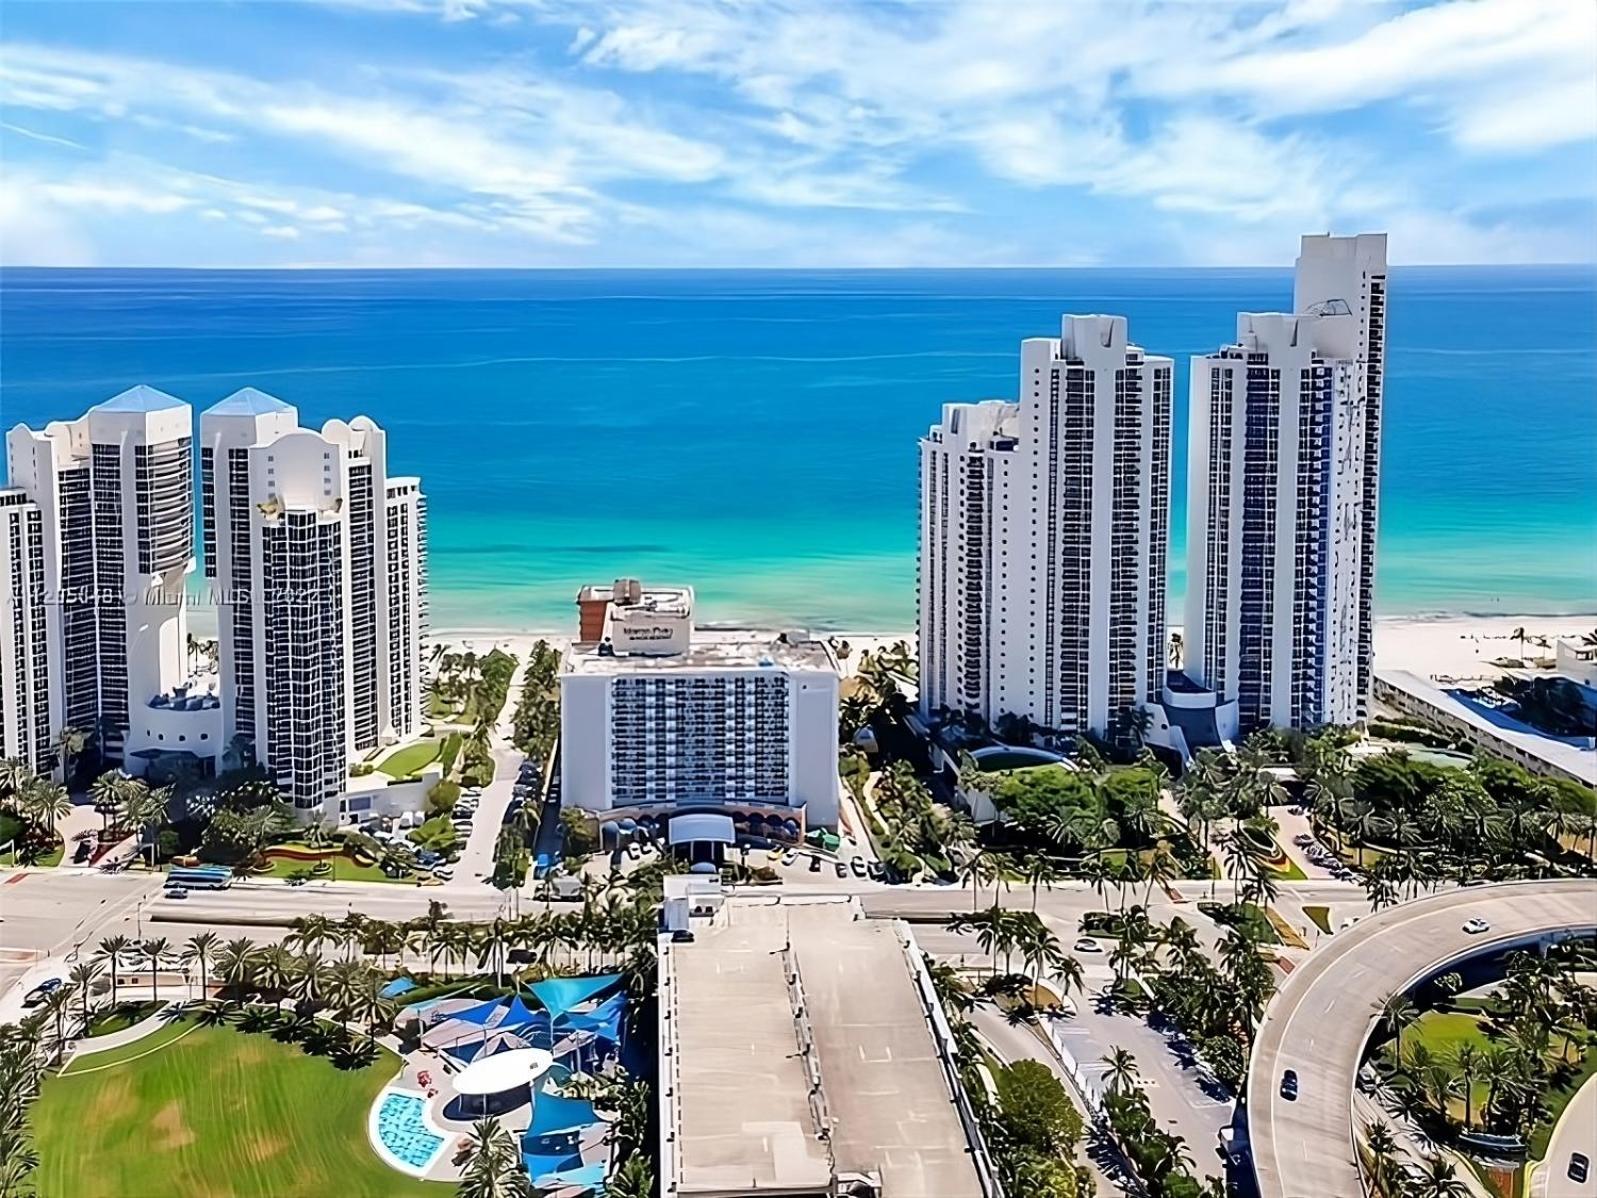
(199, 877)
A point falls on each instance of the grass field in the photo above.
(213, 1111)
(411, 758)
(1442, 1032)
(123, 1015)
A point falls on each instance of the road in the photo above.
(1321, 1017)
(1576, 1132)
(1179, 1098)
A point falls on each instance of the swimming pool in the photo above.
(403, 1132)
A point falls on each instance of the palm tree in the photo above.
(493, 1164)
(236, 963)
(16, 776)
(1519, 634)
(201, 949)
(1398, 1014)
(46, 802)
(69, 742)
(1039, 870)
(1120, 1069)
(83, 976)
(111, 949)
(1178, 650)
(106, 794)
(1467, 1061)
(634, 1179)
(1437, 1179)
(159, 952)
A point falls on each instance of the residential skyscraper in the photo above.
(112, 493)
(316, 557)
(1283, 473)
(29, 712)
(1043, 538)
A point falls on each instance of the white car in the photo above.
(1476, 926)
(1088, 945)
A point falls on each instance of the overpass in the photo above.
(1325, 1011)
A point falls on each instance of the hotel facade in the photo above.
(317, 560)
(1283, 496)
(659, 719)
(1044, 533)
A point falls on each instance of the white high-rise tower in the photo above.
(1283, 471)
(113, 494)
(1044, 531)
(317, 560)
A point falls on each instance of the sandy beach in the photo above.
(1448, 647)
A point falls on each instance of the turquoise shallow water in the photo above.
(754, 432)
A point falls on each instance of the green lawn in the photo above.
(345, 869)
(1442, 1032)
(218, 1112)
(1320, 916)
(1289, 872)
(411, 758)
(123, 1015)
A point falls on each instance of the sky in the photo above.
(792, 133)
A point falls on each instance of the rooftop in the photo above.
(140, 399)
(1576, 760)
(745, 1120)
(247, 401)
(710, 650)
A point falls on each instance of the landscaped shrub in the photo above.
(441, 799)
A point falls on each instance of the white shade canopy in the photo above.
(503, 1071)
(687, 829)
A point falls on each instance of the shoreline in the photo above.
(1450, 646)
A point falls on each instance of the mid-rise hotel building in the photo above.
(1044, 530)
(99, 539)
(316, 557)
(1283, 476)
(659, 719)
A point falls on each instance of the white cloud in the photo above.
(281, 232)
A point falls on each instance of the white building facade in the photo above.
(317, 560)
(676, 721)
(112, 492)
(1044, 533)
(30, 707)
(1282, 498)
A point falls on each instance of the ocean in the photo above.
(753, 433)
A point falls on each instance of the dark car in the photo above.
(41, 992)
(1289, 1085)
(681, 936)
(1579, 1168)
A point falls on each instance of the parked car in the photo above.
(789, 857)
(858, 866)
(1579, 1167)
(177, 892)
(443, 872)
(1087, 944)
(681, 936)
(41, 992)
(1476, 926)
(1289, 1085)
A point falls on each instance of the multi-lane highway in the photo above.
(1319, 1020)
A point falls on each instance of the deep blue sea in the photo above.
(754, 433)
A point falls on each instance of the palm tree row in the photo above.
(1538, 1022)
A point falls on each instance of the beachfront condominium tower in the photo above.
(1283, 475)
(316, 559)
(99, 521)
(29, 712)
(1043, 536)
